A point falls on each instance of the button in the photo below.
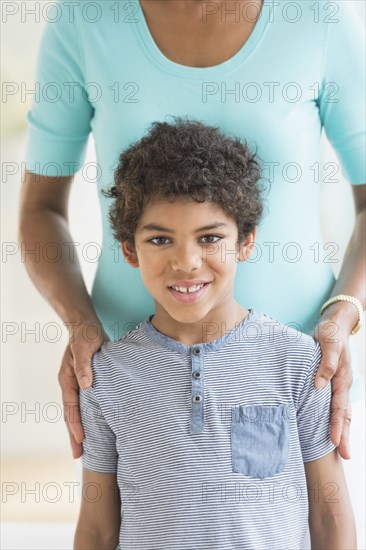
(197, 351)
(197, 398)
(197, 374)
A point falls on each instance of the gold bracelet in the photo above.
(346, 298)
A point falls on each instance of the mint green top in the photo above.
(100, 71)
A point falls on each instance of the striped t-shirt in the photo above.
(208, 441)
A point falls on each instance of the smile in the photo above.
(184, 289)
(190, 294)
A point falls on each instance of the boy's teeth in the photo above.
(188, 289)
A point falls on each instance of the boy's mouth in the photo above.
(183, 289)
(188, 294)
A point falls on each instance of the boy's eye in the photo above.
(214, 236)
(157, 239)
(165, 238)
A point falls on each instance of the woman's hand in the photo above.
(336, 366)
(85, 339)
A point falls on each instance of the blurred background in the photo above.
(40, 481)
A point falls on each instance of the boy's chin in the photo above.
(187, 317)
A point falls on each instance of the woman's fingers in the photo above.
(82, 368)
(88, 339)
(76, 448)
(331, 342)
(344, 446)
(328, 366)
(70, 399)
(341, 407)
(75, 373)
(340, 421)
(336, 366)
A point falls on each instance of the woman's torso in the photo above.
(264, 93)
(198, 34)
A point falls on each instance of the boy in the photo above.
(203, 427)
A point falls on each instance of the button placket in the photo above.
(197, 394)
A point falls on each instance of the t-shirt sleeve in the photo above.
(313, 414)
(58, 122)
(99, 446)
(341, 100)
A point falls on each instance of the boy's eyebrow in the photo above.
(153, 227)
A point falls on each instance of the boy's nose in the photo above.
(186, 259)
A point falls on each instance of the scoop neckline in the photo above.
(160, 59)
(218, 343)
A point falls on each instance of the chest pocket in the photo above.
(260, 436)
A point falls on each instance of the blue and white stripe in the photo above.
(173, 456)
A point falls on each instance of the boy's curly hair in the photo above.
(186, 159)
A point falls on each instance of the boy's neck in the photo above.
(212, 327)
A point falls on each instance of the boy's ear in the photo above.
(246, 247)
(129, 254)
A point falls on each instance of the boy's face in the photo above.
(184, 253)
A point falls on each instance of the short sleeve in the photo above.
(58, 122)
(313, 414)
(342, 93)
(99, 446)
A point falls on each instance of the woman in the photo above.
(269, 72)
